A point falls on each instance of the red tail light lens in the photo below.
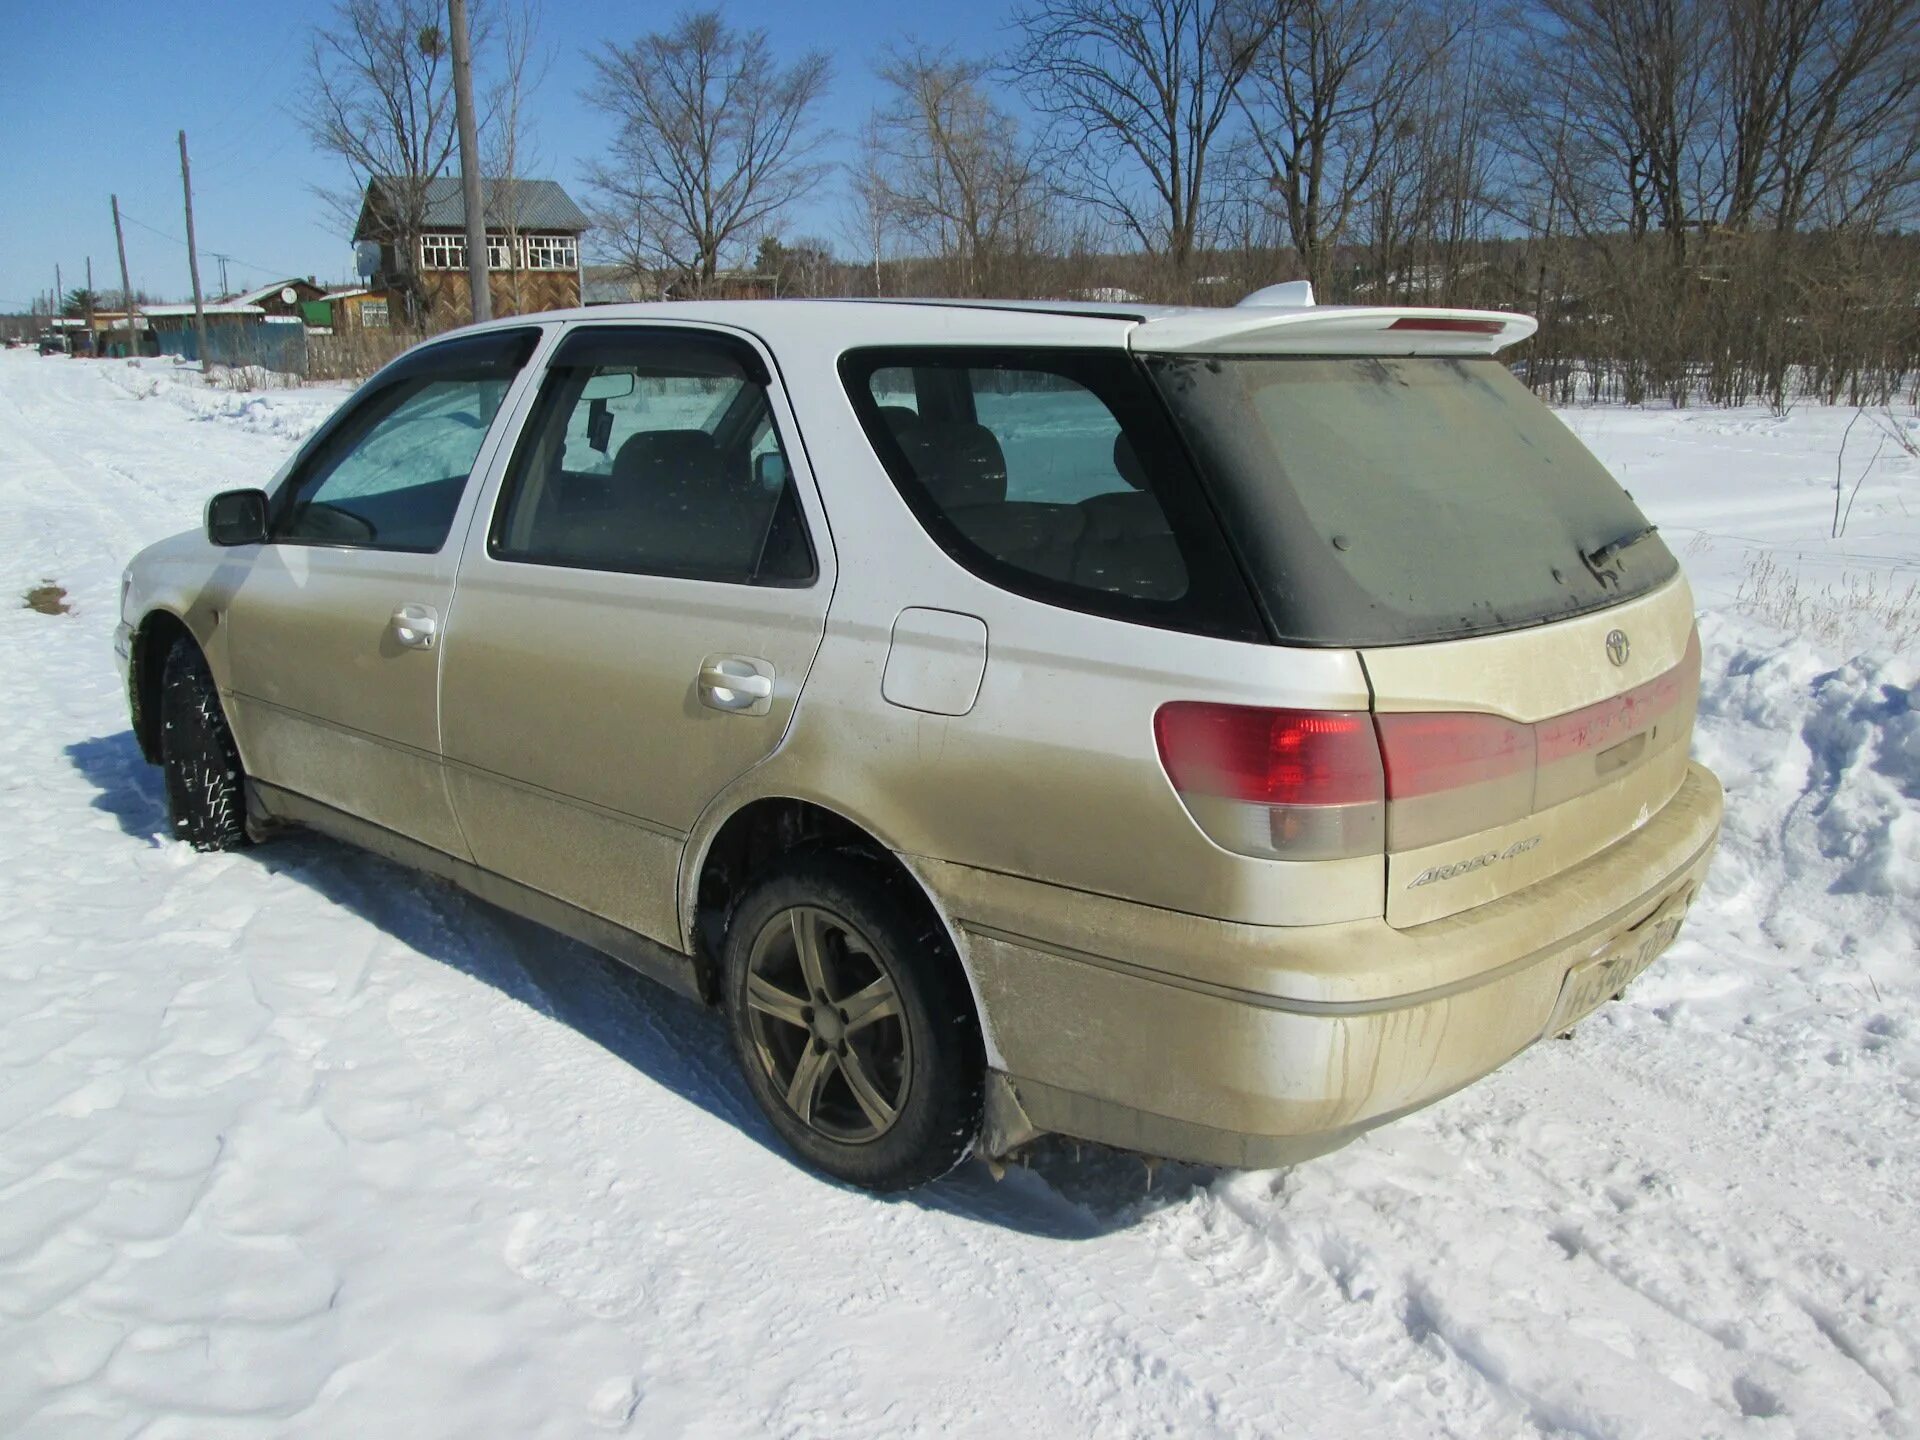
(1428, 753)
(1281, 784)
(1327, 784)
(1451, 773)
(1270, 757)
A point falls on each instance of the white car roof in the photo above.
(1160, 329)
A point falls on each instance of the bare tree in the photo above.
(1140, 91)
(520, 66)
(1329, 99)
(868, 220)
(714, 142)
(952, 169)
(1821, 103)
(379, 96)
(1607, 101)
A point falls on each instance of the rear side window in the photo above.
(654, 451)
(388, 474)
(1054, 474)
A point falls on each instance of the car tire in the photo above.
(873, 1074)
(206, 788)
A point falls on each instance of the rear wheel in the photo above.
(852, 1022)
(206, 788)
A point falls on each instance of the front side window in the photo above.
(654, 452)
(1053, 473)
(388, 474)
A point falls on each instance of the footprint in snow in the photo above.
(582, 1264)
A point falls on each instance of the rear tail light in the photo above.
(1451, 773)
(1294, 784)
(1328, 784)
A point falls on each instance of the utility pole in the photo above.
(193, 258)
(91, 350)
(59, 290)
(477, 283)
(126, 285)
(224, 291)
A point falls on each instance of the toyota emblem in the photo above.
(1617, 647)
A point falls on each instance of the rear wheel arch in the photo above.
(763, 831)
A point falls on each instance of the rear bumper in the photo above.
(1240, 1045)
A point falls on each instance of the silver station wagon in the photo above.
(1208, 732)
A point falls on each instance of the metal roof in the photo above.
(212, 307)
(537, 205)
(261, 292)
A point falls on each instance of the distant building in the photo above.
(283, 299)
(356, 307)
(533, 248)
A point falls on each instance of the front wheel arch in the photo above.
(153, 642)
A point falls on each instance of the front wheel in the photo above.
(853, 1023)
(206, 789)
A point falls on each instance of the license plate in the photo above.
(1592, 983)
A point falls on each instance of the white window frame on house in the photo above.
(447, 250)
(550, 252)
(443, 250)
(373, 315)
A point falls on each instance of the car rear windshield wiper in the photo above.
(1603, 555)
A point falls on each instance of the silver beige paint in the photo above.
(1137, 984)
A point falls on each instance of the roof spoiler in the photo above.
(1290, 296)
(1329, 330)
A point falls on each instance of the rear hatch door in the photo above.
(1527, 635)
(1606, 703)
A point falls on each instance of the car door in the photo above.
(333, 633)
(635, 617)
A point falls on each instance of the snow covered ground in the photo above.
(292, 1142)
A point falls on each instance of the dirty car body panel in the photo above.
(1232, 876)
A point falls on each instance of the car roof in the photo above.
(1163, 329)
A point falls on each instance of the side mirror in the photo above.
(237, 517)
(770, 472)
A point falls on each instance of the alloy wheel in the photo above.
(827, 1024)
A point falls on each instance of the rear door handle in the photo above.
(415, 626)
(739, 684)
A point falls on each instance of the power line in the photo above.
(233, 259)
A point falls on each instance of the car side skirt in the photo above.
(677, 971)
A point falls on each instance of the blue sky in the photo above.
(94, 93)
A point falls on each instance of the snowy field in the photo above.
(292, 1142)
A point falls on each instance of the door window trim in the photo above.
(422, 359)
(758, 368)
(1218, 601)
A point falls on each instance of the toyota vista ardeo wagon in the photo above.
(1208, 732)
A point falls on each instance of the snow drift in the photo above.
(294, 1142)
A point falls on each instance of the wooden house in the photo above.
(533, 248)
(283, 299)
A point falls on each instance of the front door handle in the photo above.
(739, 684)
(415, 626)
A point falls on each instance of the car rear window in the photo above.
(1384, 501)
(1054, 474)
